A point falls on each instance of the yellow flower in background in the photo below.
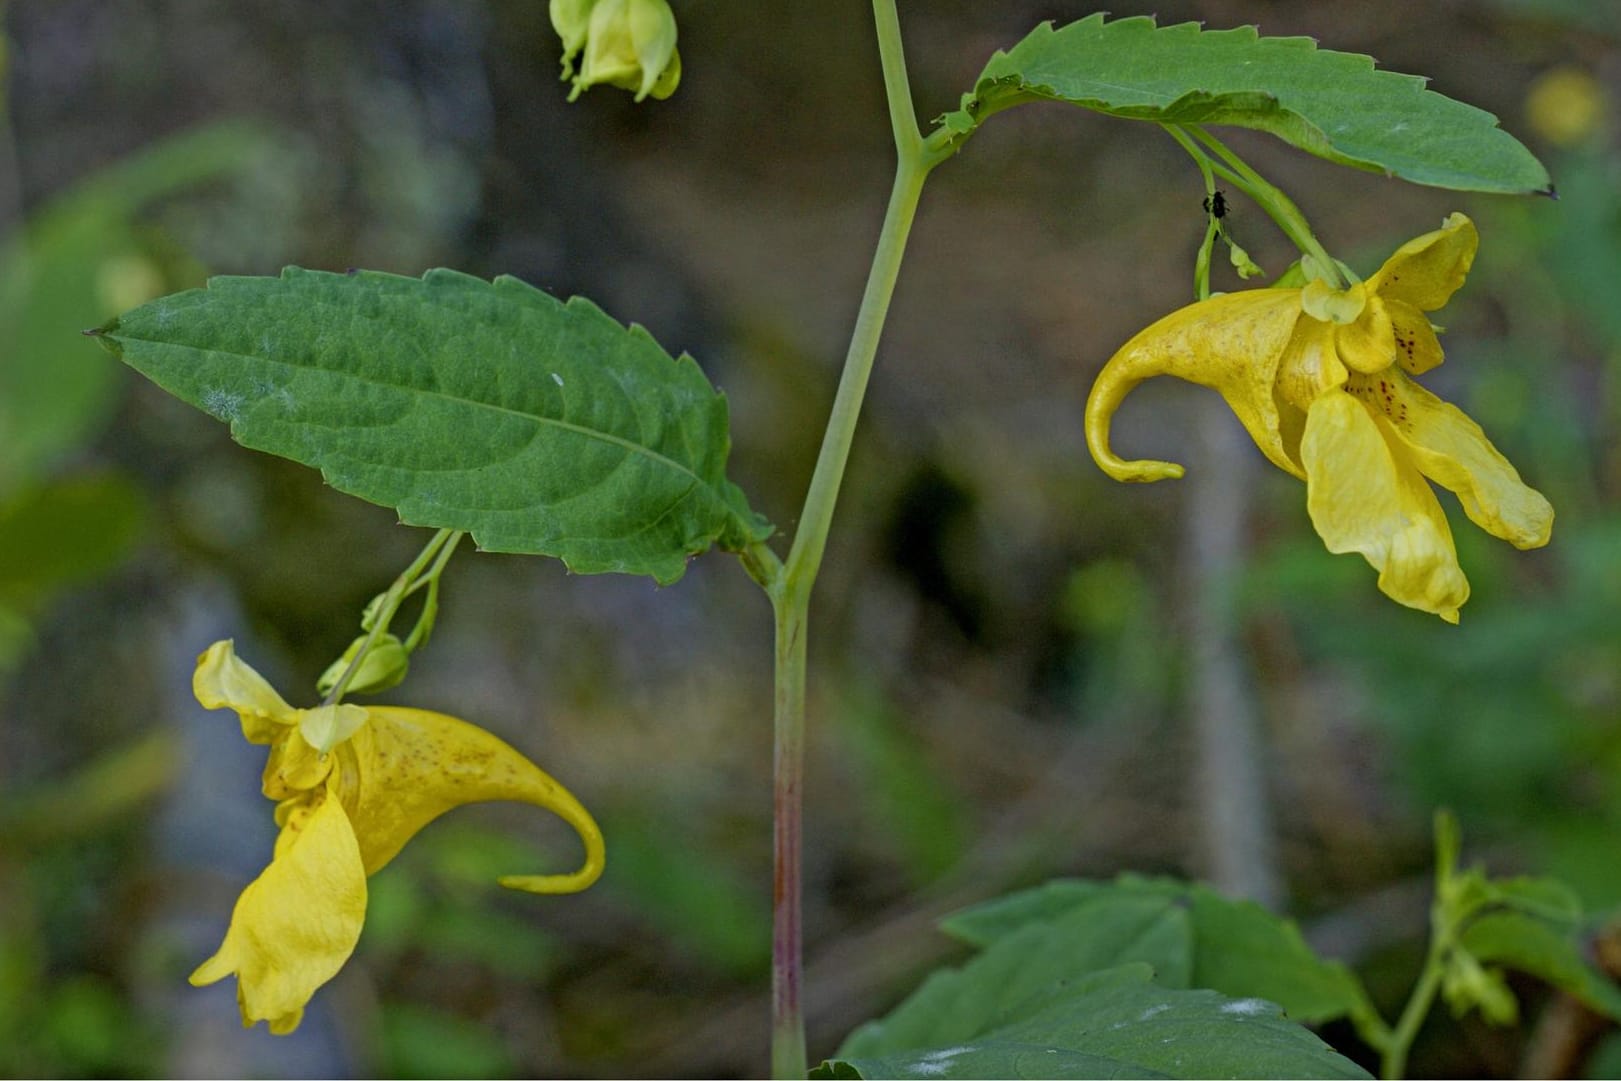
(1566, 106)
(352, 786)
(625, 43)
(1321, 380)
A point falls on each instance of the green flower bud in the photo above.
(631, 44)
(384, 666)
(1241, 261)
(571, 19)
(1467, 985)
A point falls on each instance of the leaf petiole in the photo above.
(1278, 206)
(423, 571)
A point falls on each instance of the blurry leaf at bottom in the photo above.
(1204, 940)
(419, 1042)
(1114, 1023)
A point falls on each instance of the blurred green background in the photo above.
(1019, 669)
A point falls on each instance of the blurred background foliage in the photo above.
(1004, 679)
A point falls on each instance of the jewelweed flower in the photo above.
(1321, 379)
(625, 43)
(352, 785)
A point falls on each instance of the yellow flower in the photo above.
(626, 43)
(1320, 378)
(352, 786)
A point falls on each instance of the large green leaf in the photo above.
(1113, 1023)
(1235, 947)
(1335, 105)
(537, 426)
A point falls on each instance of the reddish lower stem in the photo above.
(788, 761)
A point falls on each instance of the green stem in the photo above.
(1201, 263)
(1278, 206)
(790, 584)
(436, 552)
(1393, 1063)
(430, 604)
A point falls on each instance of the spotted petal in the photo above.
(1417, 348)
(1364, 498)
(1451, 450)
(297, 923)
(224, 681)
(406, 767)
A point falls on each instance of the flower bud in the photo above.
(1242, 263)
(1468, 985)
(630, 44)
(384, 666)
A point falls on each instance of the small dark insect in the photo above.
(1216, 205)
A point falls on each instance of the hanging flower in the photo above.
(625, 43)
(352, 786)
(1321, 380)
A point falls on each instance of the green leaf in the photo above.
(912, 807)
(69, 531)
(420, 1041)
(537, 426)
(75, 264)
(690, 893)
(1518, 940)
(1334, 105)
(1019, 966)
(1235, 947)
(1113, 1023)
(1546, 898)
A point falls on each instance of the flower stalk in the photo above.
(424, 571)
(1200, 145)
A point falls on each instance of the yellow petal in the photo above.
(294, 767)
(1427, 270)
(1231, 343)
(1310, 367)
(653, 30)
(669, 78)
(1367, 344)
(297, 923)
(1417, 348)
(1451, 450)
(1363, 498)
(222, 681)
(407, 767)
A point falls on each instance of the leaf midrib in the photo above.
(589, 433)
